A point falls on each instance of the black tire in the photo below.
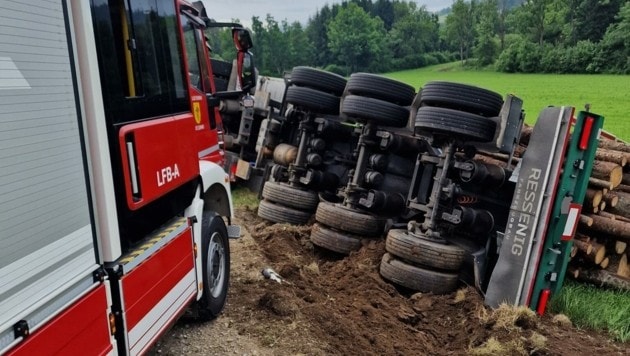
(334, 240)
(374, 110)
(416, 278)
(290, 196)
(379, 87)
(424, 252)
(318, 79)
(215, 257)
(461, 97)
(339, 217)
(281, 214)
(469, 127)
(313, 100)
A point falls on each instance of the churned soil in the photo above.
(328, 304)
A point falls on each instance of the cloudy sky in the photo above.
(291, 10)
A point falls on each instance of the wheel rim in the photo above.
(215, 268)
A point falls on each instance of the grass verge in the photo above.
(595, 308)
(244, 197)
(608, 95)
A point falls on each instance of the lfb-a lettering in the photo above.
(167, 174)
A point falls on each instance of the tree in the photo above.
(355, 38)
(485, 46)
(414, 34)
(615, 54)
(459, 27)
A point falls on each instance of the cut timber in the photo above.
(623, 188)
(623, 204)
(526, 133)
(599, 183)
(582, 237)
(617, 157)
(619, 229)
(585, 247)
(499, 156)
(619, 266)
(574, 250)
(598, 253)
(489, 160)
(626, 179)
(586, 220)
(614, 145)
(602, 206)
(620, 247)
(611, 200)
(573, 272)
(613, 216)
(604, 278)
(593, 197)
(605, 262)
(608, 171)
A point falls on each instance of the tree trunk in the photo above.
(593, 197)
(618, 229)
(611, 200)
(623, 204)
(608, 171)
(617, 157)
(614, 145)
(603, 278)
(599, 183)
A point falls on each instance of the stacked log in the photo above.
(601, 257)
(600, 253)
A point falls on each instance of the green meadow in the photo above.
(608, 95)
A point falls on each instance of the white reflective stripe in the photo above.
(155, 321)
(569, 227)
(208, 151)
(10, 75)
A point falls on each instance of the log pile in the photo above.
(600, 252)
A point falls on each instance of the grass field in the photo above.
(608, 95)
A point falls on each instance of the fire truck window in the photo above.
(140, 59)
(190, 43)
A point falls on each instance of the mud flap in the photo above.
(533, 195)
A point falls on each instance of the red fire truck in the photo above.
(115, 210)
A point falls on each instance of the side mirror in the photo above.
(246, 70)
(242, 39)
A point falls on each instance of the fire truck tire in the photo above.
(379, 87)
(216, 266)
(417, 278)
(281, 214)
(334, 240)
(451, 122)
(461, 97)
(318, 79)
(313, 100)
(349, 220)
(424, 252)
(290, 196)
(377, 111)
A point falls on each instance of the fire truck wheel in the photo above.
(461, 97)
(379, 87)
(425, 252)
(318, 79)
(450, 122)
(281, 214)
(356, 222)
(334, 240)
(416, 278)
(289, 196)
(313, 100)
(377, 111)
(216, 266)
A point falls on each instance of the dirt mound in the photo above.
(342, 302)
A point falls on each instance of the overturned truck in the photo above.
(437, 173)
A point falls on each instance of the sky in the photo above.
(291, 10)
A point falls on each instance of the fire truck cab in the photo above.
(115, 209)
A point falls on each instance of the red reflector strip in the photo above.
(571, 224)
(586, 133)
(542, 301)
